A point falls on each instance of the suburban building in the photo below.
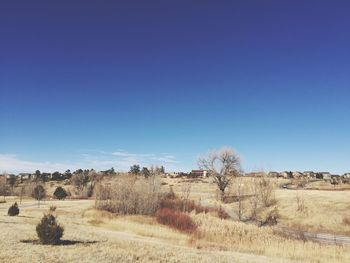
(25, 176)
(285, 174)
(203, 173)
(346, 175)
(273, 174)
(297, 175)
(309, 174)
(255, 174)
(326, 175)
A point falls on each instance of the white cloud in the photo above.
(11, 163)
(99, 160)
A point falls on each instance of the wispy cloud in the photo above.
(99, 160)
(12, 163)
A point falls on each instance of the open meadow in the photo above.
(92, 235)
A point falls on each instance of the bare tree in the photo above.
(39, 193)
(262, 195)
(239, 192)
(223, 165)
(80, 181)
(12, 182)
(3, 185)
(254, 200)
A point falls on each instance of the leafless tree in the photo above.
(254, 200)
(223, 165)
(239, 192)
(80, 181)
(3, 185)
(262, 195)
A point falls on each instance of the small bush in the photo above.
(222, 214)
(13, 210)
(346, 220)
(48, 230)
(60, 193)
(271, 217)
(176, 219)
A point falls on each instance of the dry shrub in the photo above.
(261, 197)
(270, 218)
(266, 190)
(183, 205)
(189, 206)
(301, 206)
(250, 238)
(129, 194)
(25, 189)
(222, 214)
(346, 220)
(176, 219)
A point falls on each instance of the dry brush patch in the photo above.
(314, 211)
(129, 194)
(176, 219)
(262, 240)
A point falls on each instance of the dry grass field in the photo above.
(324, 211)
(92, 235)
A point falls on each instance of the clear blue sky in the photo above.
(109, 83)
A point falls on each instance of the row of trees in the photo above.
(146, 172)
(58, 176)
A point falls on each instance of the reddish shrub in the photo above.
(176, 219)
(222, 214)
(183, 205)
(174, 203)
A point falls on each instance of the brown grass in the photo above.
(136, 238)
(262, 240)
(346, 220)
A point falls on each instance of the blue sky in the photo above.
(96, 84)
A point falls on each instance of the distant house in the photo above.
(273, 174)
(203, 173)
(346, 175)
(346, 178)
(326, 175)
(336, 179)
(8, 176)
(25, 176)
(285, 174)
(255, 174)
(297, 175)
(309, 174)
(47, 176)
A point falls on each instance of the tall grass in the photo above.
(129, 195)
(263, 240)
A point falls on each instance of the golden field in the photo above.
(94, 235)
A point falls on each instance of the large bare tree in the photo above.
(223, 165)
